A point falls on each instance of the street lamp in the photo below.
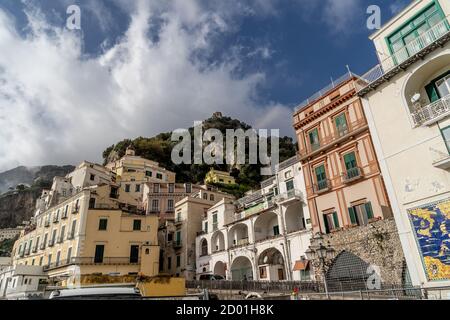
(321, 253)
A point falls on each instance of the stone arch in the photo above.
(266, 225)
(347, 272)
(271, 265)
(217, 242)
(294, 218)
(238, 235)
(241, 269)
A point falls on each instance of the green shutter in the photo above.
(327, 227)
(432, 92)
(350, 161)
(320, 173)
(336, 220)
(369, 210)
(352, 214)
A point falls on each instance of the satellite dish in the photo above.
(415, 98)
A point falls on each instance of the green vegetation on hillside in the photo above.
(159, 149)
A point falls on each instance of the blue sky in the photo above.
(149, 66)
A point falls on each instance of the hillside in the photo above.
(159, 149)
(24, 187)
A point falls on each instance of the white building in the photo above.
(263, 235)
(9, 233)
(22, 282)
(406, 99)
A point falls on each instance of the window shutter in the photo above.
(369, 211)
(432, 92)
(327, 227)
(336, 220)
(352, 214)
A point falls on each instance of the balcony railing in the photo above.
(432, 112)
(64, 216)
(35, 249)
(42, 246)
(410, 50)
(241, 243)
(322, 186)
(94, 261)
(215, 226)
(51, 243)
(27, 251)
(22, 253)
(70, 235)
(333, 138)
(60, 239)
(75, 209)
(177, 244)
(293, 194)
(352, 175)
(47, 223)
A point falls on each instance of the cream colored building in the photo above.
(177, 237)
(406, 99)
(263, 236)
(132, 172)
(94, 231)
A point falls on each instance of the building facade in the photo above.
(95, 230)
(407, 103)
(9, 233)
(344, 187)
(22, 282)
(216, 176)
(177, 236)
(263, 236)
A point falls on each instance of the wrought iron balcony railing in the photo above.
(412, 49)
(292, 194)
(352, 175)
(322, 186)
(432, 112)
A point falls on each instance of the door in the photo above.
(134, 254)
(99, 251)
(280, 274)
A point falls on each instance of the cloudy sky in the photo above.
(137, 68)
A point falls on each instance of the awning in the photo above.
(301, 265)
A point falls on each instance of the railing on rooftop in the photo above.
(334, 84)
(411, 49)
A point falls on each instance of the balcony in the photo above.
(51, 243)
(331, 140)
(35, 249)
(240, 243)
(64, 216)
(215, 226)
(178, 221)
(440, 155)
(42, 246)
(415, 50)
(22, 254)
(47, 223)
(70, 235)
(60, 239)
(291, 195)
(322, 186)
(177, 244)
(94, 261)
(27, 251)
(75, 209)
(56, 219)
(432, 113)
(352, 175)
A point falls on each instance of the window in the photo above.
(341, 124)
(178, 237)
(262, 272)
(351, 166)
(41, 259)
(416, 27)
(136, 225)
(439, 88)
(215, 223)
(171, 187)
(155, 205)
(99, 252)
(361, 214)
(54, 236)
(58, 256)
(49, 259)
(44, 244)
(321, 178)
(205, 227)
(159, 176)
(188, 187)
(92, 203)
(102, 224)
(446, 135)
(178, 261)
(205, 196)
(138, 188)
(276, 230)
(169, 263)
(331, 222)
(156, 188)
(69, 254)
(62, 233)
(74, 226)
(127, 188)
(314, 139)
(204, 247)
(170, 205)
(169, 237)
(289, 185)
(211, 197)
(134, 254)
(148, 173)
(92, 177)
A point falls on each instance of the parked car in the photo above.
(211, 277)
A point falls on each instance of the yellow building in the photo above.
(92, 232)
(216, 176)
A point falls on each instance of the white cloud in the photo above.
(59, 106)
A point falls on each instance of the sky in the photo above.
(138, 68)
